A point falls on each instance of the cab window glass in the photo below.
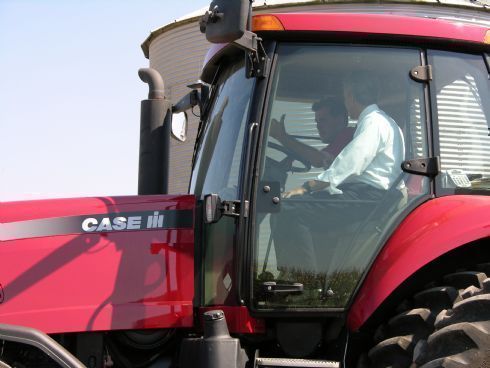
(219, 157)
(313, 245)
(462, 105)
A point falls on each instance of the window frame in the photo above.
(202, 242)
(439, 190)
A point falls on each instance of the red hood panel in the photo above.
(90, 264)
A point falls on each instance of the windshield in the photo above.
(340, 121)
(219, 155)
(217, 170)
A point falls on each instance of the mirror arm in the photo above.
(187, 102)
(203, 97)
(257, 59)
(248, 42)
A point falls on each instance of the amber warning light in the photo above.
(486, 39)
(266, 23)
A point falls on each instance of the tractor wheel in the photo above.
(446, 326)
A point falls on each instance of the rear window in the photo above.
(462, 92)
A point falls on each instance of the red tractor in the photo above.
(338, 211)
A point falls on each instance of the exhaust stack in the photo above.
(155, 127)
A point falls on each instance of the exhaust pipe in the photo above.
(155, 121)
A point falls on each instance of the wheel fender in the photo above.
(431, 230)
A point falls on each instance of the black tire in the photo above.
(445, 326)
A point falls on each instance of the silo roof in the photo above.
(195, 15)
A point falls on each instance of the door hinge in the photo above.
(421, 73)
(215, 208)
(429, 166)
(257, 60)
(233, 208)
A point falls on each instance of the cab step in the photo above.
(299, 363)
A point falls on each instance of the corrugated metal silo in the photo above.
(177, 51)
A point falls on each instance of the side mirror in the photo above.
(179, 126)
(226, 20)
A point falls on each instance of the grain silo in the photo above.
(177, 51)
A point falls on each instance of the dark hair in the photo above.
(335, 105)
(363, 86)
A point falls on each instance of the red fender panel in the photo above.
(434, 228)
(91, 264)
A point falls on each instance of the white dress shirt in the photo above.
(374, 155)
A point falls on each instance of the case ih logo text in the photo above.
(154, 221)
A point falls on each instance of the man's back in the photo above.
(373, 157)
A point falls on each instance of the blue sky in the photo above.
(70, 94)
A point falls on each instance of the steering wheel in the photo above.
(291, 157)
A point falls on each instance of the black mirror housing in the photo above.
(226, 20)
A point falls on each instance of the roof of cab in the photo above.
(447, 27)
(386, 24)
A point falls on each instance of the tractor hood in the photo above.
(94, 264)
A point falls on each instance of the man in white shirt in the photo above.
(374, 155)
(365, 169)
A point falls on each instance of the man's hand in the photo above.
(308, 187)
(277, 129)
(294, 192)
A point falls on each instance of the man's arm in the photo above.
(355, 157)
(353, 160)
(308, 187)
(315, 157)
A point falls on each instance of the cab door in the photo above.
(218, 169)
(312, 250)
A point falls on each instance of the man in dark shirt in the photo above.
(331, 121)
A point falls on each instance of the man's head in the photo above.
(330, 116)
(360, 90)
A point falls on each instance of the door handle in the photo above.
(271, 287)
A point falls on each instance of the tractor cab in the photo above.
(288, 109)
(261, 138)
